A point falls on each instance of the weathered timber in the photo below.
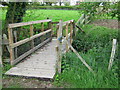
(27, 23)
(71, 32)
(82, 60)
(15, 35)
(29, 52)
(66, 37)
(29, 39)
(37, 64)
(79, 28)
(59, 34)
(64, 23)
(112, 54)
(11, 43)
(31, 34)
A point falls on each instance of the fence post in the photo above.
(74, 29)
(66, 36)
(31, 34)
(71, 32)
(59, 34)
(11, 43)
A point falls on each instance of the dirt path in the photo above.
(110, 23)
(22, 82)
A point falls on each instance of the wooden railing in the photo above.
(14, 43)
(84, 19)
(60, 38)
(68, 43)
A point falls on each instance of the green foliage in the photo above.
(6, 67)
(89, 7)
(115, 12)
(98, 44)
(96, 36)
(94, 9)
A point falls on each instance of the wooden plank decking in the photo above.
(41, 64)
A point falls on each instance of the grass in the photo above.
(95, 47)
(39, 14)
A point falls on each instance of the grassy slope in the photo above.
(98, 41)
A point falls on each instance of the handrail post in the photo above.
(15, 35)
(71, 32)
(12, 57)
(74, 29)
(67, 37)
(59, 34)
(31, 34)
(42, 29)
(50, 27)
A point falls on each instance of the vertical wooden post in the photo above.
(31, 34)
(59, 34)
(1, 64)
(50, 27)
(42, 29)
(71, 32)
(66, 36)
(74, 29)
(11, 43)
(42, 25)
(57, 27)
(15, 35)
(112, 54)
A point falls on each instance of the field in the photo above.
(55, 15)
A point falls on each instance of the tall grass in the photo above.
(95, 47)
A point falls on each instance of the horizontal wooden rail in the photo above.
(29, 39)
(27, 23)
(64, 23)
(29, 52)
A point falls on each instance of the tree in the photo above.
(15, 13)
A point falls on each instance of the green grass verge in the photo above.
(95, 47)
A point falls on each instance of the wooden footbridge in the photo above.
(43, 59)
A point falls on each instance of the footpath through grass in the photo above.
(95, 47)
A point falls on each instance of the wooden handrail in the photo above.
(27, 23)
(64, 23)
(29, 39)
